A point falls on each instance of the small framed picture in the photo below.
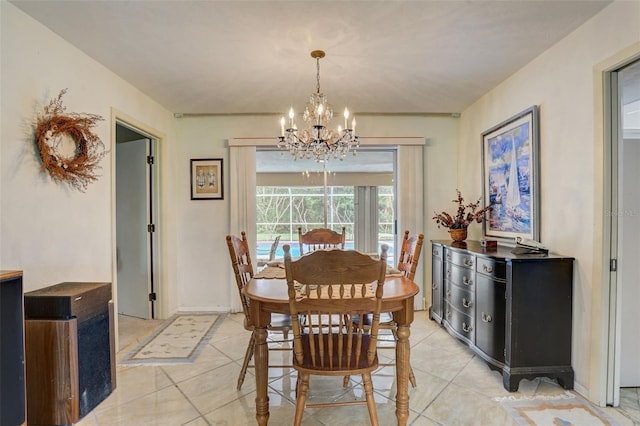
(206, 179)
(511, 177)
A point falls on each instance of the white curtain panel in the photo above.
(242, 189)
(410, 191)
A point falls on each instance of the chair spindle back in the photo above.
(410, 254)
(242, 268)
(330, 288)
(320, 238)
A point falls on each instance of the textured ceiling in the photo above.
(239, 57)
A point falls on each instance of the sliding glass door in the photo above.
(357, 193)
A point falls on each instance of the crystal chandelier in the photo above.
(316, 138)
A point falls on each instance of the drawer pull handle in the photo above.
(466, 303)
(435, 252)
(466, 328)
(486, 318)
(434, 286)
(468, 261)
(448, 256)
(448, 314)
(467, 281)
(449, 273)
(488, 269)
(449, 292)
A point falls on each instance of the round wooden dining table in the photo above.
(269, 295)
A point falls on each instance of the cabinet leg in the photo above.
(510, 382)
(565, 380)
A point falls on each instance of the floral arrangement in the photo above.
(465, 215)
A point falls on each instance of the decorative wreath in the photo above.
(78, 170)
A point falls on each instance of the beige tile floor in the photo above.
(454, 387)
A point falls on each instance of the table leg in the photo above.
(402, 374)
(261, 362)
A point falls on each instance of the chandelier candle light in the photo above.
(316, 138)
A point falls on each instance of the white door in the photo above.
(629, 224)
(132, 233)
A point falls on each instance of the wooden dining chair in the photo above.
(280, 323)
(328, 288)
(320, 238)
(410, 250)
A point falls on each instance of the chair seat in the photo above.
(328, 360)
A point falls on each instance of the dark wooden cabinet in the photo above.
(12, 372)
(70, 357)
(514, 311)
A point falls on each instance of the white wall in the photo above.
(203, 261)
(561, 82)
(51, 232)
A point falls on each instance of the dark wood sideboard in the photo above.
(12, 373)
(514, 311)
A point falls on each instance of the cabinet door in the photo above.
(51, 347)
(539, 309)
(12, 393)
(490, 317)
(436, 283)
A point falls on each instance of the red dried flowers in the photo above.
(465, 215)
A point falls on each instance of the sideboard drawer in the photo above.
(459, 275)
(459, 322)
(461, 259)
(491, 267)
(461, 299)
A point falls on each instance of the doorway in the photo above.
(624, 368)
(136, 216)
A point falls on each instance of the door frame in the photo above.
(609, 393)
(157, 141)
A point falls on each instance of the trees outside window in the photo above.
(281, 210)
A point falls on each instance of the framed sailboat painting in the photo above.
(510, 169)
